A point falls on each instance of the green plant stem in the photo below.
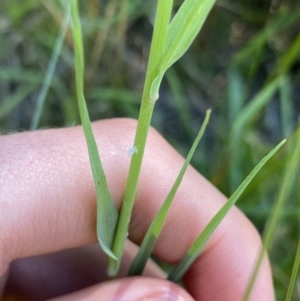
(157, 224)
(164, 9)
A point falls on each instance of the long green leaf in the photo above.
(107, 214)
(236, 94)
(202, 239)
(286, 107)
(294, 274)
(21, 75)
(244, 118)
(156, 226)
(281, 23)
(180, 101)
(164, 9)
(289, 58)
(182, 31)
(184, 28)
(254, 107)
(272, 224)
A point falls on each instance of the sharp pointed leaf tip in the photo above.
(107, 250)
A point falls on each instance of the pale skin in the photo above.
(47, 205)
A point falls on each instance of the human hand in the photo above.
(47, 205)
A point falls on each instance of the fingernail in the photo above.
(169, 296)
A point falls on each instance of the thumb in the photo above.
(133, 289)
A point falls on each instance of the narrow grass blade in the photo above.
(252, 110)
(21, 75)
(280, 24)
(184, 28)
(182, 105)
(156, 226)
(236, 94)
(242, 122)
(290, 56)
(100, 42)
(202, 239)
(286, 107)
(182, 31)
(107, 214)
(294, 274)
(284, 193)
(235, 100)
(123, 22)
(164, 9)
(51, 69)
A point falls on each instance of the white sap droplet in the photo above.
(154, 98)
(133, 150)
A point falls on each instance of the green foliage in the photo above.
(169, 43)
(107, 214)
(245, 50)
(156, 226)
(164, 9)
(182, 31)
(199, 244)
(283, 195)
(294, 274)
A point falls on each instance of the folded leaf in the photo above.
(184, 28)
(182, 31)
(107, 215)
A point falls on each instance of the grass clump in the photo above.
(245, 65)
(169, 43)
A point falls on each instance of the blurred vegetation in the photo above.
(245, 65)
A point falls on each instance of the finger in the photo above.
(3, 280)
(51, 172)
(63, 272)
(133, 289)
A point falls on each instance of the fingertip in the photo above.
(134, 289)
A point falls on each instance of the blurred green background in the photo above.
(244, 65)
